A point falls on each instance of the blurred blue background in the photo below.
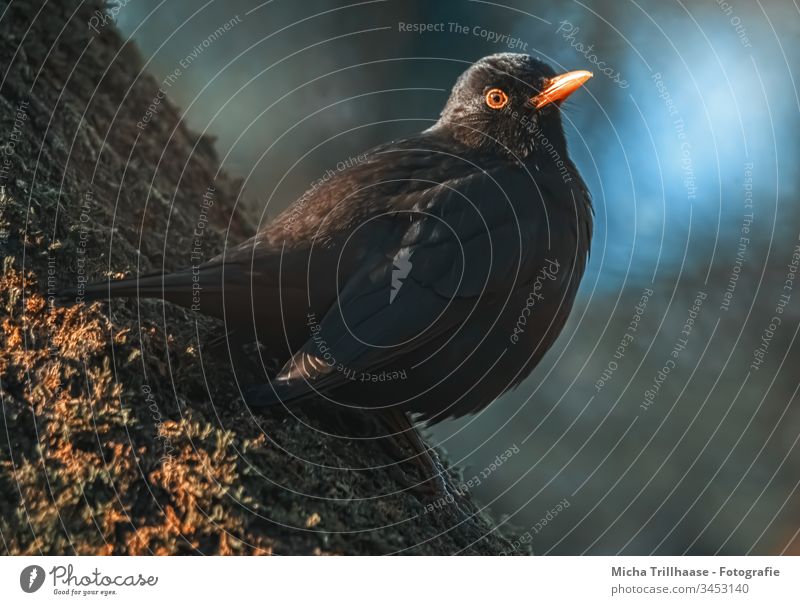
(688, 139)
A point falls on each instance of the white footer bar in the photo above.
(401, 580)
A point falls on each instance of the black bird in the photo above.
(427, 279)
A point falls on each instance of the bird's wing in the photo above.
(466, 242)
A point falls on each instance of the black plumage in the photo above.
(429, 278)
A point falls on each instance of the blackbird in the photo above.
(426, 279)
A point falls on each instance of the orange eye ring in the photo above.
(496, 98)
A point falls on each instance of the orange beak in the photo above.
(560, 87)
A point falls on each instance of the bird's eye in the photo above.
(496, 98)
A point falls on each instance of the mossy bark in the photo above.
(117, 437)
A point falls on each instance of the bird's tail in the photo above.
(170, 286)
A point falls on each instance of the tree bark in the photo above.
(119, 435)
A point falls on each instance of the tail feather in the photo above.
(225, 291)
(170, 286)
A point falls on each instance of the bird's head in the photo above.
(509, 103)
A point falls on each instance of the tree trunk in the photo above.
(119, 434)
